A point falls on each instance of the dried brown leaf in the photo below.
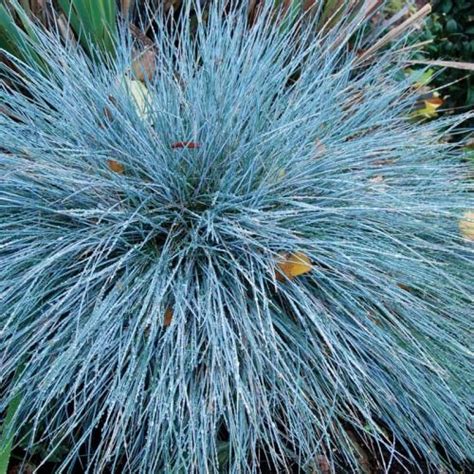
(115, 166)
(168, 317)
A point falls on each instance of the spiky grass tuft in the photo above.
(147, 233)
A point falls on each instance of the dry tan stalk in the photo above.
(65, 28)
(450, 64)
(125, 6)
(397, 31)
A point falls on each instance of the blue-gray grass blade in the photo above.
(143, 296)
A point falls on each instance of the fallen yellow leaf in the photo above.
(115, 166)
(466, 225)
(281, 174)
(292, 265)
(139, 94)
(430, 108)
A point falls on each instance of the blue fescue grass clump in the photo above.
(140, 236)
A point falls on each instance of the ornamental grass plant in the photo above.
(253, 255)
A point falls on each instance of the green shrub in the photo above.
(451, 27)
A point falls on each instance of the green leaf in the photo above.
(94, 22)
(420, 77)
(7, 434)
(293, 10)
(16, 40)
(446, 6)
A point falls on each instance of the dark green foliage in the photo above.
(93, 23)
(451, 27)
(6, 434)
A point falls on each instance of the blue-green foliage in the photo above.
(299, 150)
